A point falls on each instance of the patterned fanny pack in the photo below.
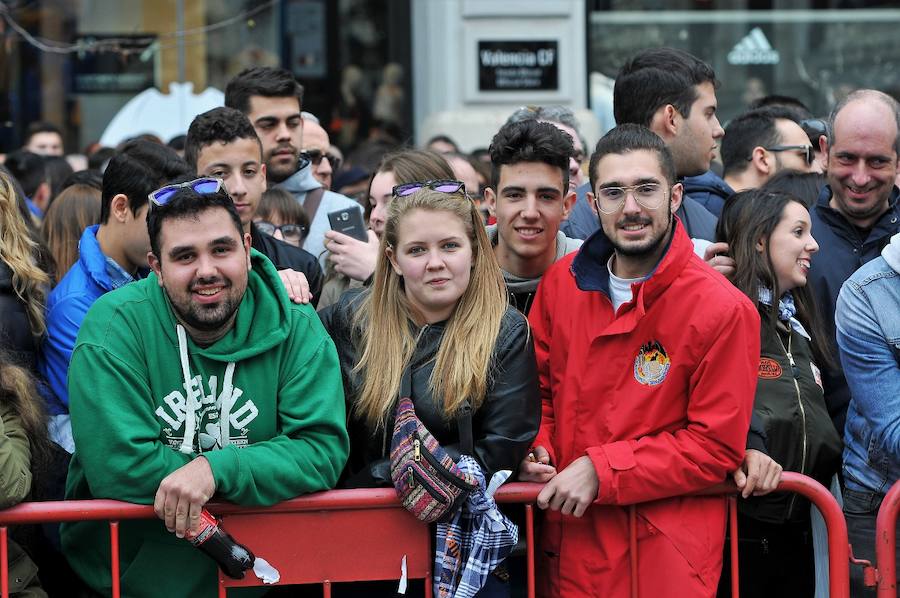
(428, 481)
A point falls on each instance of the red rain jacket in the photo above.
(659, 396)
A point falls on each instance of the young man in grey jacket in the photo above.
(529, 195)
(272, 100)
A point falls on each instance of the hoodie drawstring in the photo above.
(225, 407)
(190, 416)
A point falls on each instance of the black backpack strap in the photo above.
(311, 202)
(406, 382)
(464, 426)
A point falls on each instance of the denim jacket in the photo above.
(868, 335)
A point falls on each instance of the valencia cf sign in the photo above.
(518, 65)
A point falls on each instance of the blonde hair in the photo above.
(462, 364)
(73, 210)
(19, 251)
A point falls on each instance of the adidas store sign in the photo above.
(754, 48)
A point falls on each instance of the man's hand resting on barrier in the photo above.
(182, 494)
(572, 490)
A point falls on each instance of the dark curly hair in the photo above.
(531, 141)
(222, 125)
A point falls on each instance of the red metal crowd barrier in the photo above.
(816, 493)
(883, 574)
(335, 518)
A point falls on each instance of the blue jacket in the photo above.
(583, 221)
(85, 282)
(868, 334)
(709, 190)
(842, 251)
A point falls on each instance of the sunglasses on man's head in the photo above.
(204, 185)
(315, 156)
(814, 128)
(443, 186)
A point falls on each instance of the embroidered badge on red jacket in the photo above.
(651, 364)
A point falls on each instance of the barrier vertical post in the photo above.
(633, 551)
(4, 559)
(529, 548)
(838, 546)
(114, 557)
(733, 545)
(886, 542)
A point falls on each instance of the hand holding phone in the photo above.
(349, 221)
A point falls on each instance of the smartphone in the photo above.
(350, 222)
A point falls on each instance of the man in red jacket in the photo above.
(647, 360)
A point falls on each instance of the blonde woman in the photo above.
(437, 303)
(23, 282)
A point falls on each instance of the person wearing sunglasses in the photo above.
(272, 100)
(351, 263)
(438, 306)
(199, 381)
(316, 147)
(636, 410)
(221, 143)
(757, 145)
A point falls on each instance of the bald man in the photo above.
(317, 146)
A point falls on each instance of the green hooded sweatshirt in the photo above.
(264, 405)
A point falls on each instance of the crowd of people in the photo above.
(683, 305)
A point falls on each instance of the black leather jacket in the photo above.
(503, 427)
(15, 330)
(285, 256)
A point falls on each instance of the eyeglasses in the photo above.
(611, 199)
(444, 186)
(315, 156)
(290, 232)
(806, 150)
(203, 185)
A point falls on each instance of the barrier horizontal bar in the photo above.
(103, 509)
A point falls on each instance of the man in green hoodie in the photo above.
(201, 381)
(530, 196)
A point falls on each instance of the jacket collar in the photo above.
(92, 257)
(301, 181)
(589, 266)
(886, 223)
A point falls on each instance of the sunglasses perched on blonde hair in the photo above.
(442, 186)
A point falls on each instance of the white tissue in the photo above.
(401, 588)
(497, 480)
(265, 572)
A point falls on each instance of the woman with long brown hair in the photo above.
(73, 210)
(770, 239)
